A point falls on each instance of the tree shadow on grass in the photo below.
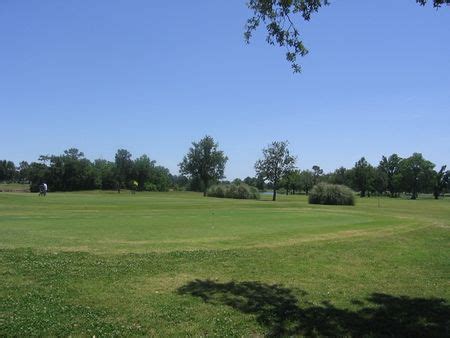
(278, 309)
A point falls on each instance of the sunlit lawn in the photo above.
(14, 187)
(177, 263)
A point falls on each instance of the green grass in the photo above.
(14, 187)
(172, 264)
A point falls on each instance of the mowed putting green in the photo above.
(173, 264)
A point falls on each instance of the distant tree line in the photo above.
(204, 166)
(393, 175)
(71, 171)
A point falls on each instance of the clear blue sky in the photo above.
(152, 76)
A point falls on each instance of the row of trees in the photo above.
(277, 169)
(204, 165)
(392, 176)
(7, 171)
(72, 171)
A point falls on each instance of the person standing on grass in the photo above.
(42, 189)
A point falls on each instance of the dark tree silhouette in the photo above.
(278, 310)
(275, 164)
(204, 161)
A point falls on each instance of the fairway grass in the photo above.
(171, 264)
(11, 187)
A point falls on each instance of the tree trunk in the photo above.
(274, 196)
(436, 194)
(205, 188)
(414, 189)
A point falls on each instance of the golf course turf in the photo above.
(177, 263)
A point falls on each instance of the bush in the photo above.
(238, 191)
(150, 187)
(331, 194)
(216, 191)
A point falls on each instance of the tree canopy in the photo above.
(124, 166)
(390, 167)
(204, 165)
(441, 180)
(204, 162)
(275, 164)
(417, 173)
(362, 176)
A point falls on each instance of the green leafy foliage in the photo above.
(306, 181)
(281, 18)
(416, 174)
(278, 19)
(204, 162)
(390, 167)
(441, 180)
(331, 194)
(236, 191)
(7, 171)
(340, 176)
(255, 182)
(71, 171)
(142, 170)
(276, 163)
(106, 174)
(124, 167)
(362, 176)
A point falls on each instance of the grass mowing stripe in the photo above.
(178, 264)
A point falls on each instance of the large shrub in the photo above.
(148, 186)
(332, 194)
(238, 191)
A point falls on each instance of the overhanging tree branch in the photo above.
(275, 13)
